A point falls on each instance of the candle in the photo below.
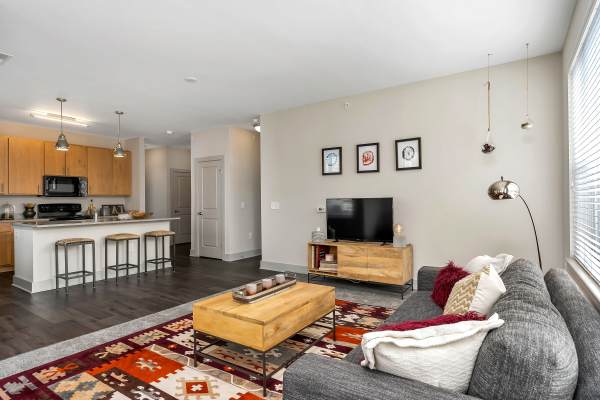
(267, 283)
(280, 278)
(251, 289)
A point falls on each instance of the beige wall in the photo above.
(8, 128)
(444, 207)
(240, 150)
(159, 162)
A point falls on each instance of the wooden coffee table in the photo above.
(264, 324)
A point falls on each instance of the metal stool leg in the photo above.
(67, 269)
(83, 262)
(94, 265)
(163, 253)
(117, 264)
(172, 239)
(139, 262)
(105, 261)
(56, 265)
(127, 258)
(155, 256)
(145, 255)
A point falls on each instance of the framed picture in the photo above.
(367, 157)
(408, 154)
(331, 161)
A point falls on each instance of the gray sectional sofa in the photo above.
(548, 348)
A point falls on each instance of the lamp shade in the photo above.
(118, 151)
(61, 143)
(503, 190)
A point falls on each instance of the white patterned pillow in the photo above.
(476, 292)
(442, 355)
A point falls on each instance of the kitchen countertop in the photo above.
(17, 220)
(46, 224)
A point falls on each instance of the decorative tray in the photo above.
(239, 293)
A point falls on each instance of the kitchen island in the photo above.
(34, 248)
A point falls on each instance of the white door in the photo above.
(181, 200)
(210, 208)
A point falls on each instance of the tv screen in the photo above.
(365, 220)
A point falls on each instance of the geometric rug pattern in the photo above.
(157, 363)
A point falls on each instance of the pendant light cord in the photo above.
(489, 87)
(61, 118)
(527, 82)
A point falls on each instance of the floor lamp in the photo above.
(508, 190)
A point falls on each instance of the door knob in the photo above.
(199, 213)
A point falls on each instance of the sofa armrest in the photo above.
(426, 277)
(314, 377)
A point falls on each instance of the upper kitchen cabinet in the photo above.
(54, 160)
(25, 166)
(77, 161)
(122, 175)
(3, 164)
(100, 171)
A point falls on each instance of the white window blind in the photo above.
(584, 129)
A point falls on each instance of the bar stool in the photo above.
(156, 235)
(117, 239)
(82, 273)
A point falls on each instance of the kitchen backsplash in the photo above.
(18, 201)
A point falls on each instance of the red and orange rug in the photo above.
(157, 364)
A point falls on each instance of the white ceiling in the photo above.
(250, 57)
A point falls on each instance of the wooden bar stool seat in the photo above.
(159, 236)
(66, 244)
(118, 238)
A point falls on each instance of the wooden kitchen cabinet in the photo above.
(3, 164)
(6, 247)
(100, 171)
(121, 179)
(77, 161)
(25, 166)
(54, 160)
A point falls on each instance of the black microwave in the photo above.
(65, 186)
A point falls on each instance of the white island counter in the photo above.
(34, 249)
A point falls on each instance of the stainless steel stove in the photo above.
(61, 211)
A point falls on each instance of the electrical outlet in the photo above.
(275, 205)
(249, 235)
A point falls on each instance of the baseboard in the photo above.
(241, 255)
(281, 267)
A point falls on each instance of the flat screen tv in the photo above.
(363, 220)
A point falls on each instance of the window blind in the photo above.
(584, 147)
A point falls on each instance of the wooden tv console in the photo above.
(367, 262)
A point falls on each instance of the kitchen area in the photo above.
(48, 194)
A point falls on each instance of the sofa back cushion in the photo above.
(532, 356)
(583, 322)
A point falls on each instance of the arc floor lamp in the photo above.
(508, 190)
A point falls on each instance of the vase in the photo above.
(29, 212)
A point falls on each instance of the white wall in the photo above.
(159, 162)
(8, 128)
(240, 150)
(444, 207)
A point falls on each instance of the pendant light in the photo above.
(256, 124)
(61, 142)
(118, 151)
(488, 146)
(528, 124)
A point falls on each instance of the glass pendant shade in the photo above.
(61, 143)
(118, 151)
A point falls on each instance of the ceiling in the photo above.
(250, 57)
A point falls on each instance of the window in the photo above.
(584, 148)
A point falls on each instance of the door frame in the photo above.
(172, 172)
(222, 213)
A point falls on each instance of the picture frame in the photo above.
(331, 161)
(367, 158)
(408, 154)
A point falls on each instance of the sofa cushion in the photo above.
(583, 322)
(416, 307)
(532, 356)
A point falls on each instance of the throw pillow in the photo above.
(439, 320)
(500, 263)
(441, 356)
(477, 292)
(444, 282)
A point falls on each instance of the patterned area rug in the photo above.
(157, 364)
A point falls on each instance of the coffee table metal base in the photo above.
(264, 376)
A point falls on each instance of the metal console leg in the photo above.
(334, 338)
(264, 367)
(195, 354)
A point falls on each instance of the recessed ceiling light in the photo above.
(190, 79)
(4, 57)
(169, 132)
(66, 119)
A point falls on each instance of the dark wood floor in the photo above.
(29, 321)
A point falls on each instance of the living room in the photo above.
(217, 200)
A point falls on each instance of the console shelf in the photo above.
(366, 262)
